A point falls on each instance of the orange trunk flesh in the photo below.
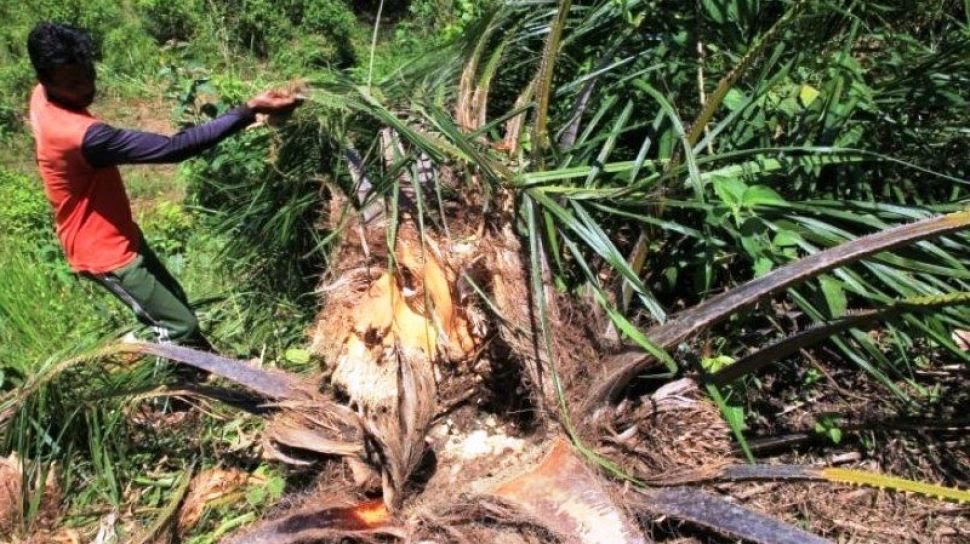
(385, 316)
(372, 514)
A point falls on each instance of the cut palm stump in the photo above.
(383, 334)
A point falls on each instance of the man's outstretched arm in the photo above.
(104, 145)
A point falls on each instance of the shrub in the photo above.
(166, 21)
(124, 48)
(128, 53)
(16, 80)
(332, 19)
(257, 25)
(167, 228)
(271, 29)
(99, 17)
(25, 212)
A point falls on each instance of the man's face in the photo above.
(72, 85)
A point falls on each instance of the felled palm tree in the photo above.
(492, 184)
(384, 366)
(525, 208)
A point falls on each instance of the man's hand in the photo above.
(274, 102)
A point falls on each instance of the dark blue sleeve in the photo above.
(104, 145)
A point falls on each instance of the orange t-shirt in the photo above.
(91, 208)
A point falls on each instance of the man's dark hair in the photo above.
(54, 44)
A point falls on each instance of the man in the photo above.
(78, 157)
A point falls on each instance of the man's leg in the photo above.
(157, 299)
(153, 264)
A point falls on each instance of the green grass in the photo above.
(75, 413)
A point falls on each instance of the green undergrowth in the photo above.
(141, 43)
(79, 417)
(46, 315)
(139, 40)
(244, 243)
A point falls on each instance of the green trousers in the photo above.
(147, 287)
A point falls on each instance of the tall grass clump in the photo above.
(55, 406)
(260, 195)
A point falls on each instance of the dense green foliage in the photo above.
(679, 149)
(269, 219)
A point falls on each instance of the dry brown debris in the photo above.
(44, 526)
(11, 494)
(859, 515)
(477, 519)
(210, 486)
(664, 437)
